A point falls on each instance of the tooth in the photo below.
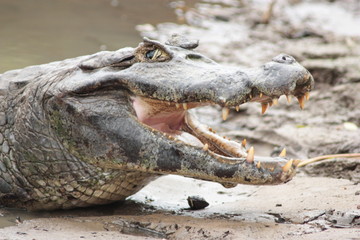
(261, 94)
(177, 105)
(258, 165)
(275, 101)
(288, 98)
(185, 106)
(307, 96)
(206, 147)
(283, 153)
(237, 108)
(301, 101)
(225, 113)
(250, 156)
(296, 162)
(243, 143)
(222, 99)
(264, 106)
(287, 166)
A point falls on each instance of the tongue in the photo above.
(223, 145)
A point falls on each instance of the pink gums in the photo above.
(159, 116)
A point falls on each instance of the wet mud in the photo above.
(323, 200)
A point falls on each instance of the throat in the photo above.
(162, 116)
(175, 121)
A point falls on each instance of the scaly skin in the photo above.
(79, 132)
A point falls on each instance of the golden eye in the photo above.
(153, 54)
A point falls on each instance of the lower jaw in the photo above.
(199, 135)
(177, 123)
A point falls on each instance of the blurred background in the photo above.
(40, 31)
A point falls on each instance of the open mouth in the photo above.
(178, 124)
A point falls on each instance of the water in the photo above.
(40, 31)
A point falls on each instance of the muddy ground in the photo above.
(322, 202)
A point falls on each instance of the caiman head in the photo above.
(129, 110)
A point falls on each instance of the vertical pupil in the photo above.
(150, 54)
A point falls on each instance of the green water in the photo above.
(40, 31)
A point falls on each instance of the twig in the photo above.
(324, 157)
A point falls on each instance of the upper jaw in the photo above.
(264, 85)
(224, 86)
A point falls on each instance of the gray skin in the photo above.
(70, 135)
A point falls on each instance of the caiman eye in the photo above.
(153, 54)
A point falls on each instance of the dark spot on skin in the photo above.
(226, 172)
(70, 109)
(167, 159)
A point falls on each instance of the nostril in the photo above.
(284, 58)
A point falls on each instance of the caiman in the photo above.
(96, 129)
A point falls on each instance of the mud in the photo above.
(306, 208)
(322, 202)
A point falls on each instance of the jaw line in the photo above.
(177, 123)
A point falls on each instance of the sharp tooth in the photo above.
(243, 143)
(301, 101)
(307, 96)
(264, 106)
(283, 153)
(275, 101)
(185, 106)
(261, 94)
(225, 113)
(296, 162)
(237, 108)
(287, 166)
(258, 165)
(206, 147)
(177, 105)
(288, 98)
(250, 156)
